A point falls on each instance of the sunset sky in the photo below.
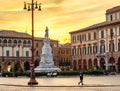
(61, 16)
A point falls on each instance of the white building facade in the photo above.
(15, 49)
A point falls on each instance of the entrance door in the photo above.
(74, 65)
(84, 64)
(102, 63)
(112, 62)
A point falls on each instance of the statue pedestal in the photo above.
(47, 63)
(47, 69)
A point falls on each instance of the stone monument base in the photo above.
(47, 69)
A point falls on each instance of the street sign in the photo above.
(31, 64)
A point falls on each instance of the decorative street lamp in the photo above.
(31, 7)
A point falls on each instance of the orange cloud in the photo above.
(61, 16)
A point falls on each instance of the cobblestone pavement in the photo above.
(91, 83)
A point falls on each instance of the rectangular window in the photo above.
(119, 30)
(85, 37)
(89, 36)
(119, 46)
(94, 50)
(80, 37)
(109, 47)
(75, 39)
(17, 53)
(85, 50)
(73, 52)
(111, 33)
(88, 50)
(7, 53)
(94, 35)
(78, 51)
(27, 53)
(111, 17)
(102, 34)
(0, 42)
(72, 39)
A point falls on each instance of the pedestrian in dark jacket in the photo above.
(81, 78)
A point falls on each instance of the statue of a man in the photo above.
(46, 33)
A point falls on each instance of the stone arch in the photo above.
(85, 64)
(74, 64)
(24, 42)
(118, 64)
(16, 66)
(37, 62)
(19, 42)
(90, 63)
(112, 62)
(102, 63)
(95, 64)
(7, 66)
(9, 42)
(15, 42)
(5, 42)
(26, 66)
(79, 64)
(29, 42)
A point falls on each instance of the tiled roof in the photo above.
(13, 34)
(41, 39)
(67, 45)
(112, 10)
(95, 26)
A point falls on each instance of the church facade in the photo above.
(98, 45)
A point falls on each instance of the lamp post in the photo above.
(31, 7)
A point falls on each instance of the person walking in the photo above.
(81, 78)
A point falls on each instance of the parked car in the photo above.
(52, 74)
